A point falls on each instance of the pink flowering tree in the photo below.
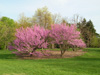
(29, 39)
(66, 36)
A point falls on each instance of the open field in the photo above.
(87, 64)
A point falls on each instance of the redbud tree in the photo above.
(29, 39)
(66, 36)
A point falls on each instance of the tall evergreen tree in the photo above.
(87, 30)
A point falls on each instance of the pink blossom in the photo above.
(67, 35)
(30, 39)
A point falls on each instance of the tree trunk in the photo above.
(53, 46)
(33, 51)
(62, 49)
(62, 52)
(73, 48)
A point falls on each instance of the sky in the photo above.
(89, 9)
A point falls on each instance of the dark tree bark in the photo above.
(33, 51)
(63, 49)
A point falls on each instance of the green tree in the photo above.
(3, 34)
(24, 21)
(95, 41)
(42, 17)
(7, 21)
(90, 32)
(87, 30)
(7, 30)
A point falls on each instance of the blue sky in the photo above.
(90, 9)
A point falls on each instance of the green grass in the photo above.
(87, 64)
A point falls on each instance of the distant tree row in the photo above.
(45, 19)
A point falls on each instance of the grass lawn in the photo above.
(87, 64)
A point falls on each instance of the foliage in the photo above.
(43, 17)
(95, 41)
(24, 21)
(7, 21)
(7, 30)
(66, 36)
(29, 39)
(87, 30)
(3, 34)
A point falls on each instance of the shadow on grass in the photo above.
(87, 59)
(93, 50)
(7, 56)
(76, 62)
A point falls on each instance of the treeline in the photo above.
(88, 33)
(45, 18)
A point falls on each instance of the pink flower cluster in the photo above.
(68, 35)
(29, 39)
